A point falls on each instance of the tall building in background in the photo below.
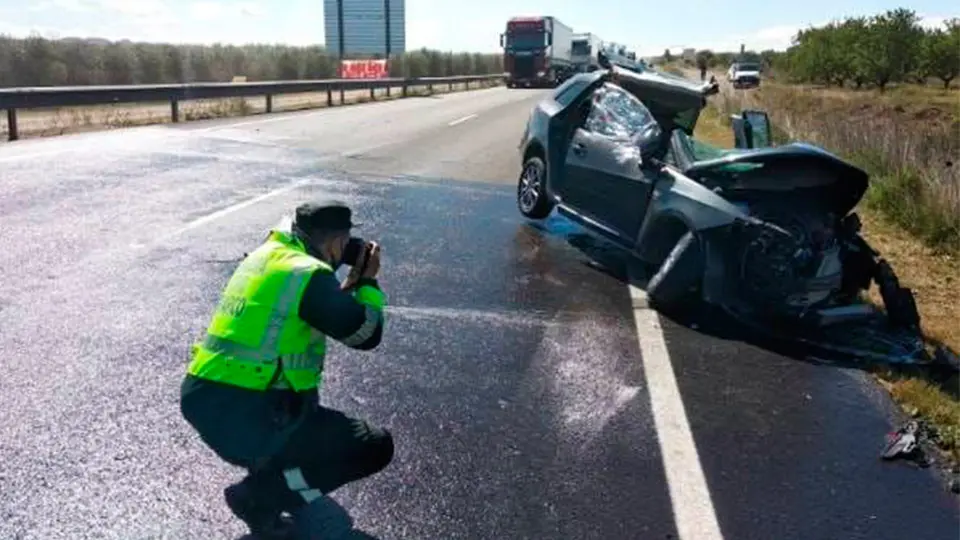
(365, 27)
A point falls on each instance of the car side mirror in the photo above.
(741, 137)
(751, 129)
(759, 124)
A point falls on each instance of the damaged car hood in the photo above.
(792, 166)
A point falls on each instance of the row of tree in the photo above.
(891, 47)
(37, 61)
(886, 48)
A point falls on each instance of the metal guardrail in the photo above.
(12, 99)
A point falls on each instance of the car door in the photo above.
(603, 178)
(563, 111)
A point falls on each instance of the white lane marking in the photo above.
(228, 210)
(462, 120)
(282, 117)
(692, 506)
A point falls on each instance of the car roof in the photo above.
(648, 79)
(658, 83)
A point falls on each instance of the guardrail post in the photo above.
(373, 96)
(341, 96)
(13, 133)
(269, 103)
(450, 87)
(174, 110)
(329, 97)
(430, 88)
(403, 89)
(467, 84)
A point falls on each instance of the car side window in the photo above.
(618, 114)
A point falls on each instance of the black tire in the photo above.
(533, 201)
(677, 280)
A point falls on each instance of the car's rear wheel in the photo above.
(532, 198)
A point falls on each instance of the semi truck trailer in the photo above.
(537, 51)
(584, 51)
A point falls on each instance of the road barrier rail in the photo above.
(13, 99)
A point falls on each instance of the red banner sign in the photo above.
(364, 69)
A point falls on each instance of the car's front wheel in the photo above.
(532, 198)
(676, 281)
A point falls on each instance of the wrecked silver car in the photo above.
(764, 232)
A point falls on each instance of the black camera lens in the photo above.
(353, 251)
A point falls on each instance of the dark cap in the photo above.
(326, 214)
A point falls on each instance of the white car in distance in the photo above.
(744, 74)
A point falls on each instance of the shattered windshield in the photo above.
(617, 113)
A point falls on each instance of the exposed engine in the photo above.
(799, 267)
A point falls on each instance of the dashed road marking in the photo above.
(462, 120)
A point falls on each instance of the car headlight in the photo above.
(541, 73)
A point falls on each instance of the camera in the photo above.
(353, 251)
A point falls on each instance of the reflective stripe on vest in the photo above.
(271, 362)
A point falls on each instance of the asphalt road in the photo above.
(531, 392)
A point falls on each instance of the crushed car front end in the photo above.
(791, 257)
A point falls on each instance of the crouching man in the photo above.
(252, 387)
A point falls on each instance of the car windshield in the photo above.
(697, 151)
(524, 40)
(748, 67)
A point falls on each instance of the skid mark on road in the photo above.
(693, 509)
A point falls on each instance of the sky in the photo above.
(647, 27)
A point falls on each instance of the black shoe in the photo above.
(265, 522)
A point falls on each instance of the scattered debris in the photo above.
(902, 442)
(905, 444)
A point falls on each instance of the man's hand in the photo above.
(369, 265)
(372, 266)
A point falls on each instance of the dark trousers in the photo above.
(294, 449)
(326, 450)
